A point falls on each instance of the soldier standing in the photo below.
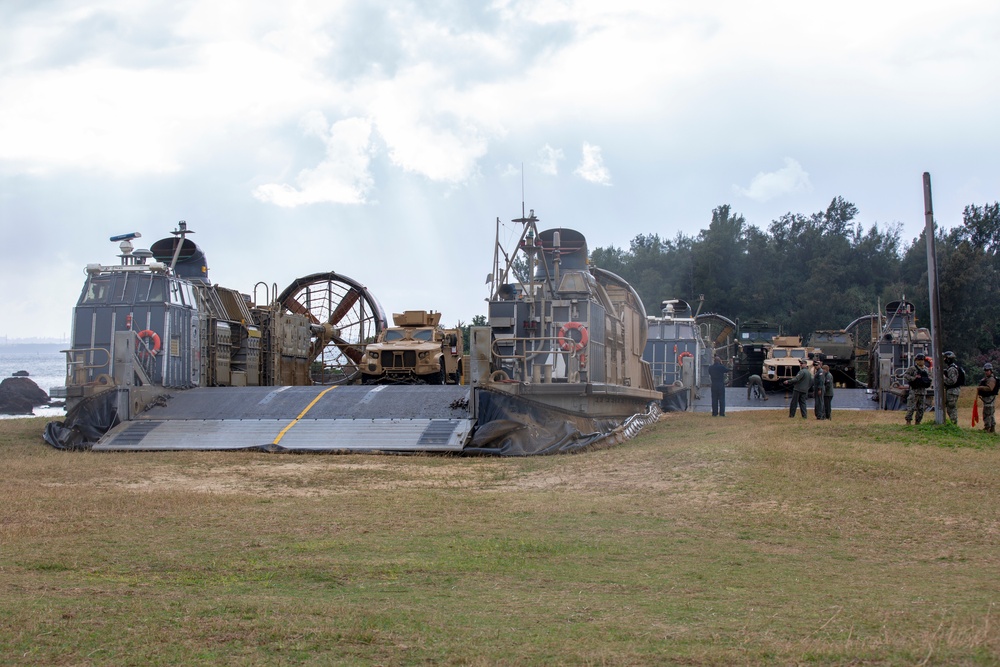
(827, 392)
(919, 381)
(717, 371)
(952, 386)
(818, 390)
(987, 391)
(800, 387)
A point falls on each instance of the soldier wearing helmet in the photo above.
(953, 380)
(987, 391)
(919, 381)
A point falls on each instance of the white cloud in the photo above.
(766, 186)
(191, 101)
(592, 167)
(343, 177)
(430, 134)
(548, 160)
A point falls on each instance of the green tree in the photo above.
(477, 321)
(718, 260)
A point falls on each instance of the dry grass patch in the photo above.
(754, 539)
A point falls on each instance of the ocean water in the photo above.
(46, 367)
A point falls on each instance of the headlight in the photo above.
(373, 354)
(423, 355)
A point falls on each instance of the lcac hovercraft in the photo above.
(161, 359)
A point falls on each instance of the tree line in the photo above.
(822, 271)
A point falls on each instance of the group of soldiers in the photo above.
(918, 379)
(819, 380)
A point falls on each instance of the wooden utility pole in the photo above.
(932, 291)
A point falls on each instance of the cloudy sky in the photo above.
(382, 140)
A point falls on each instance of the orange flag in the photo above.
(975, 412)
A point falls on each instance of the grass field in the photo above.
(753, 539)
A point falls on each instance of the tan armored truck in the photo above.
(416, 349)
(782, 361)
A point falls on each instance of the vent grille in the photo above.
(405, 359)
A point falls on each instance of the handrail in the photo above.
(83, 350)
(522, 359)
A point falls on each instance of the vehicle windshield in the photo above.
(799, 354)
(778, 354)
(424, 334)
(394, 334)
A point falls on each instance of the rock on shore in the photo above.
(19, 395)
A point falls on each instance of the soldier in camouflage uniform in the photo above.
(918, 379)
(988, 393)
(952, 386)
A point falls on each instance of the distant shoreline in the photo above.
(21, 348)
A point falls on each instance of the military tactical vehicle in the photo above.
(782, 361)
(752, 347)
(417, 349)
(836, 349)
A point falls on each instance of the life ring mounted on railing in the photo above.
(150, 348)
(682, 356)
(567, 342)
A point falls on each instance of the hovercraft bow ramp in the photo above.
(325, 419)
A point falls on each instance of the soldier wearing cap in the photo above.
(800, 387)
(952, 385)
(919, 381)
(987, 391)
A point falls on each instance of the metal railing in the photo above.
(77, 364)
(505, 352)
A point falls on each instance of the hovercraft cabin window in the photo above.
(96, 290)
(123, 289)
(150, 289)
(181, 294)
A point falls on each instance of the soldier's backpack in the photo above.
(961, 379)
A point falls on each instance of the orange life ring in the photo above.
(682, 356)
(567, 343)
(145, 350)
(929, 362)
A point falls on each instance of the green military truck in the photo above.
(836, 348)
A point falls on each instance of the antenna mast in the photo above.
(522, 190)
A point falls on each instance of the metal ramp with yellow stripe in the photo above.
(349, 418)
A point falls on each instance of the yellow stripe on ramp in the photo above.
(302, 414)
